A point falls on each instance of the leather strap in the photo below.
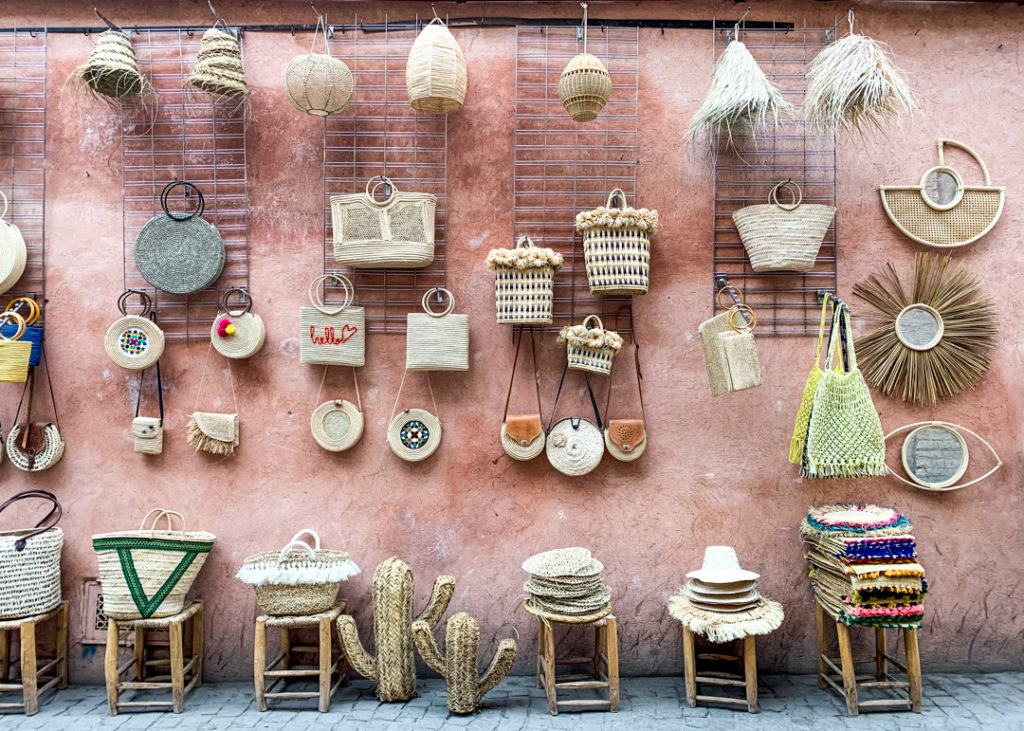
(593, 401)
(159, 392)
(639, 379)
(43, 525)
(536, 375)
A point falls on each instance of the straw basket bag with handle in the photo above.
(299, 579)
(524, 282)
(15, 353)
(522, 435)
(626, 439)
(574, 445)
(29, 309)
(317, 83)
(437, 341)
(414, 434)
(147, 572)
(783, 237)
(35, 446)
(590, 348)
(147, 431)
(617, 246)
(13, 253)
(397, 232)
(337, 425)
(942, 211)
(134, 341)
(30, 562)
(585, 85)
(331, 335)
(237, 333)
(435, 74)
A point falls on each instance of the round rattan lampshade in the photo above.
(584, 87)
(337, 425)
(435, 74)
(112, 69)
(179, 257)
(218, 67)
(318, 84)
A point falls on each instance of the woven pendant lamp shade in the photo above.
(317, 83)
(584, 87)
(112, 69)
(218, 69)
(435, 74)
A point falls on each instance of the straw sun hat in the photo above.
(721, 566)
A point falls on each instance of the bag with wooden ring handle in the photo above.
(134, 342)
(237, 332)
(330, 335)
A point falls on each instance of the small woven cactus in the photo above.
(393, 668)
(460, 664)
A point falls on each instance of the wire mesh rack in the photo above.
(785, 303)
(563, 167)
(23, 151)
(381, 134)
(180, 134)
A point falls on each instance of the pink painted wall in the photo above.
(715, 471)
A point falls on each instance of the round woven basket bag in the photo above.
(179, 253)
(575, 446)
(44, 450)
(783, 237)
(12, 251)
(519, 451)
(134, 341)
(237, 333)
(337, 425)
(414, 434)
(435, 74)
(317, 83)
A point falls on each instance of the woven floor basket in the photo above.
(783, 237)
(435, 74)
(437, 341)
(218, 68)
(618, 257)
(524, 282)
(584, 87)
(13, 253)
(30, 577)
(147, 572)
(397, 232)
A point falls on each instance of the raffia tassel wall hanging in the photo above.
(585, 85)
(937, 338)
(435, 74)
(317, 83)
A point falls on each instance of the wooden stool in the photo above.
(746, 679)
(179, 669)
(881, 679)
(324, 670)
(33, 680)
(605, 675)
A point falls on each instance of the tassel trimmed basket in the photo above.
(591, 349)
(617, 246)
(524, 282)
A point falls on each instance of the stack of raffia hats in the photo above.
(566, 581)
(863, 565)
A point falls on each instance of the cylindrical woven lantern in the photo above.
(435, 75)
(218, 67)
(317, 83)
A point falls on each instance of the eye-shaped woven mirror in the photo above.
(935, 456)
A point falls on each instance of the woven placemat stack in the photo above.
(863, 565)
(566, 581)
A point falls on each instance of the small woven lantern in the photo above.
(435, 74)
(585, 85)
(112, 69)
(317, 83)
(218, 69)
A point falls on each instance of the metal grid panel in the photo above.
(381, 134)
(184, 134)
(23, 150)
(785, 303)
(563, 167)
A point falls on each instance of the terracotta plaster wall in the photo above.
(715, 470)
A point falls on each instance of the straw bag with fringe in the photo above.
(524, 282)
(211, 432)
(15, 353)
(803, 414)
(35, 446)
(942, 211)
(783, 237)
(626, 439)
(297, 582)
(218, 70)
(437, 341)
(28, 308)
(13, 253)
(617, 246)
(522, 435)
(435, 74)
(146, 573)
(237, 333)
(317, 83)
(414, 434)
(844, 434)
(332, 335)
(397, 232)
(575, 445)
(147, 431)
(30, 569)
(585, 85)
(337, 425)
(134, 342)
(590, 348)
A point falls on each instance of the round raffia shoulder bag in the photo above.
(575, 445)
(522, 435)
(13, 253)
(134, 341)
(34, 447)
(237, 333)
(414, 434)
(337, 424)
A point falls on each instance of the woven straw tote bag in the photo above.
(134, 341)
(237, 332)
(617, 246)
(585, 85)
(337, 425)
(590, 349)
(180, 253)
(331, 335)
(844, 433)
(435, 74)
(524, 282)
(147, 572)
(783, 237)
(15, 353)
(437, 341)
(803, 414)
(147, 431)
(298, 580)
(13, 253)
(522, 435)
(397, 232)
(29, 309)
(942, 211)
(35, 446)
(30, 569)
(414, 434)
(317, 83)
(574, 445)
(626, 439)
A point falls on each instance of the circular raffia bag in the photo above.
(337, 425)
(218, 68)
(134, 341)
(435, 74)
(13, 253)
(575, 445)
(237, 333)
(35, 446)
(317, 83)
(414, 434)
(783, 237)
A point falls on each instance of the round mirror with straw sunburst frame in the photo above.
(936, 340)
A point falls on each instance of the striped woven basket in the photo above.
(524, 282)
(591, 348)
(437, 341)
(783, 237)
(617, 246)
(30, 568)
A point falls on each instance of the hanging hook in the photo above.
(584, 6)
(314, 9)
(736, 28)
(434, 8)
(849, 19)
(216, 14)
(110, 24)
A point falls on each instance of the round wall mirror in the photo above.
(935, 456)
(942, 187)
(919, 327)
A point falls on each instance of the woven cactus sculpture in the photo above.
(393, 668)
(460, 665)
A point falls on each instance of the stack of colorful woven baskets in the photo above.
(567, 582)
(863, 565)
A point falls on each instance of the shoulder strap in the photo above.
(593, 401)
(536, 375)
(159, 393)
(639, 385)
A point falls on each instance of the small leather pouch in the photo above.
(523, 428)
(626, 433)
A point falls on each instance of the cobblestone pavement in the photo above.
(788, 702)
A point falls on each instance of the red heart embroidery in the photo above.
(347, 332)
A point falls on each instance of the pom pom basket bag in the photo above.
(590, 349)
(617, 246)
(237, 332)
(134, 341)
(30, 562)
(524, 282)
(331, 335)
(437, 341)
(397, 232)
(783, 237)
(147, 572)
(435, 74)
(13, 253)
